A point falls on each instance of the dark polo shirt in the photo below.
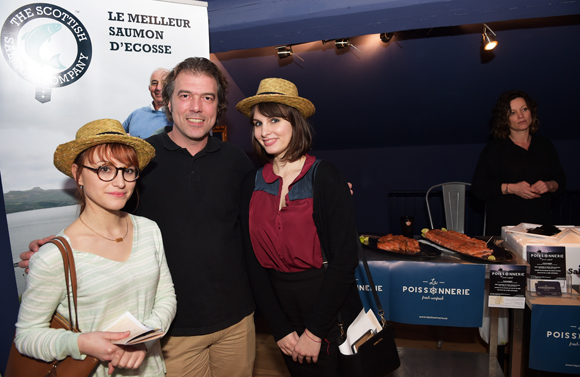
(195, 200)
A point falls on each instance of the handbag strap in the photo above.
(363, 258)
(70, 274)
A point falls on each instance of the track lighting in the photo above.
(386, 37)
(489, 42)
(342, 43)
(286, 51)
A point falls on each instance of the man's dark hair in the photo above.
(197, 66)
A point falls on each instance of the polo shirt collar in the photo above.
(211, 146)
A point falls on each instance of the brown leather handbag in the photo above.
(20, 365)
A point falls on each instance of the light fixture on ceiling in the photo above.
(489, 42)
(286, 51)
(386, 37)
(342, 43)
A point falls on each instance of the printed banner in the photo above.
(507, 286)
(555, 339)
(67, 62)
(422, 293)
(380, 274)
(547, 263)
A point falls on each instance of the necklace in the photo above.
(110, 239)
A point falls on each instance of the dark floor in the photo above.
(269, 361)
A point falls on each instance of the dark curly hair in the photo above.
(197, 66)
(501, 113)
(302, 132)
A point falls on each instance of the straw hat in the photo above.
(98, 132)
(279, 91)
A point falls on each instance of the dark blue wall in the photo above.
(413, 113)
(377, 172)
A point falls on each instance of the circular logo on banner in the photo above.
(46, 45)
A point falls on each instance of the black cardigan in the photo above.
(335, 223)
(502, 161)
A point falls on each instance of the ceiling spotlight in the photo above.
(489, 41)
(342, 43)
(386, 37)
(286, 51)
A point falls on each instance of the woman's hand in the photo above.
(542, 187)
(523, 189)
(99, 344)
(307, 348)
(130, 358)
(288, 342)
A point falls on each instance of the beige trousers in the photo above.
(226, 353)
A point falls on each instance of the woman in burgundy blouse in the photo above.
(294, 210)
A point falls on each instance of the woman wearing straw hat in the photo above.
(120, 261)
(296, 211)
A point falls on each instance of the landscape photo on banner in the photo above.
(65, 63)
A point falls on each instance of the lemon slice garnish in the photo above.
(364, 240)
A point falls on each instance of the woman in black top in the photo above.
(517, 172)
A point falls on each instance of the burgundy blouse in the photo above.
(286, 239)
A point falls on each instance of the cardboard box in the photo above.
(569, 238)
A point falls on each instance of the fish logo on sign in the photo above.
(47, 46)
(36, 39)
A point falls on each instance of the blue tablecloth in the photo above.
(555, 338)
(426, 293)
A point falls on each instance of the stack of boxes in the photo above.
(518, 238)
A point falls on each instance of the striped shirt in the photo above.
(141, 285)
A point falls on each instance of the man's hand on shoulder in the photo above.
(32, 248)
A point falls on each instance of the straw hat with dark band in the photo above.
(98, 132)
(279, 91)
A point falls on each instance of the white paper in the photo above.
(362, 323)
(507, 302)
(127, 322)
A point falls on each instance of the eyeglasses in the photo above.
(107, 173)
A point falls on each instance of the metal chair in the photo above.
(454, 204)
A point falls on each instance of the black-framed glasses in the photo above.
(107, 173)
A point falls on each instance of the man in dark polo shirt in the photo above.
(192, 191)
